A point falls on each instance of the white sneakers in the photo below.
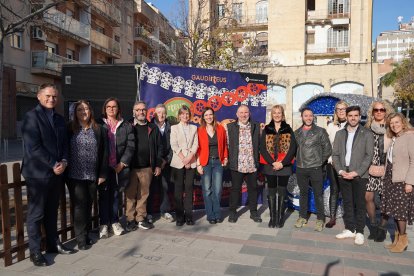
(345, 234)
(359, 237)
(103, 231)
(117, 229)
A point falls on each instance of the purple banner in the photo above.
(197, 88)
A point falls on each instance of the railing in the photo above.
(50, 61)
(67, 23)
(325, 14)
(105, 42)
(13, 212)
(142, 58)
(108, 9)
(323, 49)
(244, 21)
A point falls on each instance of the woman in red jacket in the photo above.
(212, 156)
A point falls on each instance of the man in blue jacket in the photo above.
(44, 161)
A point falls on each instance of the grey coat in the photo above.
(362, 151)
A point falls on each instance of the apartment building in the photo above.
(395, 44)
(82, 31)
(155, 39)
(307, 47)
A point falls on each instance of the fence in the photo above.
(13, 209)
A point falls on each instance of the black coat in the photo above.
(44, 143)
(165, 140)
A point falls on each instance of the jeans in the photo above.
(236, 182)
(315, 177)
(183, 180)
(353, 196)
(82, 194)
(43, 202)
(109, 199)
(212, 180)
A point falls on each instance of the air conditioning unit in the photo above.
(38, 34)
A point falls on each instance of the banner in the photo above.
(197, 88)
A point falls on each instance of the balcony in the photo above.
(323, 49)
(250, 23)
(325, 16)
(107, 10)
(67, 23)
(141, 34)
(48, 63)
(105, 43)
(141, 58)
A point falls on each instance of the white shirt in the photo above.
(349, 142)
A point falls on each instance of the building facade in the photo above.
(395, 44)
(84, 32)
(306, 47)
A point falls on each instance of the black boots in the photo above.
(281, 207)
(381, 234)
(271, 200)
(373, 232)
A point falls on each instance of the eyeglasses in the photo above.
(112, 107)
(142, 110)
(379, 110)
(341, 109)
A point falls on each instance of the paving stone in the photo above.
(197, 264)
(230, 257)
(265, 271)
(177, 250)
(265, 238)
(252, 250)
(242, 270)
(144, 269)
(303, 242)
(61, 269)
(272, 262)
(284, 254)
(378, 266)
(113, 264)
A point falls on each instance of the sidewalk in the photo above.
(244, 248)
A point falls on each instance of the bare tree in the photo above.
(16, 17)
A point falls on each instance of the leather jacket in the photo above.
(314, 148)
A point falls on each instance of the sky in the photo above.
(385, 13)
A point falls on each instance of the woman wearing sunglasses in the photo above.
(377, 115)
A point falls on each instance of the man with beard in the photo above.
(352, 154)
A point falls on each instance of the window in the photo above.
(100, 29)
(237, 11)
(220, 11)
(51, 47)
(338, 37)
(310, 38)
(261, 11)
(117, 38)
(16, 40)
(129, 50)
(310, 4)
(338, 6)
(70, 54)
(128, 19)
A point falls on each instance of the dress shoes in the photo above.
(179, 223)
(84, 246)
(189, 221)
(233, 217)
(255, 217)
(212, 221)
(38, 259)
(60, 249)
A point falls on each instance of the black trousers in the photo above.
(277, 183)
(82, 195)
(314, 176)
(43, 202)
(334, 189)
(353, 196)
(236, 182)
(183, 182)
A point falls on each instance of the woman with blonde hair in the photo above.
(377, 114)
(398, 195)
(338, 124)
(277, 149)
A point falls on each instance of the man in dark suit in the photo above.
(44, 161)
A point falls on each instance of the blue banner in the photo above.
(197, 88)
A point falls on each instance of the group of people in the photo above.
(111, 156)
